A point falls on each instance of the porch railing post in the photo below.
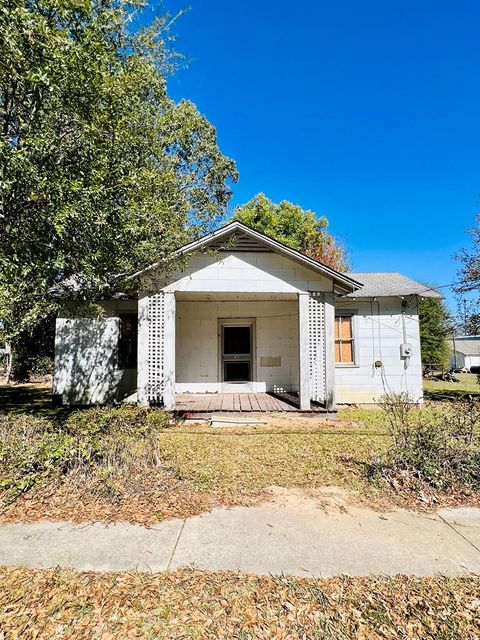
(303, 352)
(330, 399)
(142, 351)
(169, 351)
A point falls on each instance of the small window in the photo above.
(344, 351)
(127, 342)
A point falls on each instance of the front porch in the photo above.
(237, 351)
(239, 402)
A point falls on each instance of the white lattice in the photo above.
(155, 349)
(316, 325)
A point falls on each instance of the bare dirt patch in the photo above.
(328, 498)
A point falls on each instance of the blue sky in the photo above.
(366, 112)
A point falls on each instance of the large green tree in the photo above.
(100, 171)
(435, 326)
(295, 227)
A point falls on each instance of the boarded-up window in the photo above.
(127, 342)
(344, 352)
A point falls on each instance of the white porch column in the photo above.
(142, 351)
(169, 351)
(303, 352)
(330, 400)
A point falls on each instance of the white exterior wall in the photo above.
(378, 334)
(86, 358)
(472, 361)
(458, 361)
(198, 343)
(255, 272)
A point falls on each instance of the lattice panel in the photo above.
(155, 349)
(316, 325)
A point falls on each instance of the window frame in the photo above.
(352, 314)
(122, 363)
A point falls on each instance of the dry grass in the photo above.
(195, 468)
(286, 452)
(62, 604)
(439, 390)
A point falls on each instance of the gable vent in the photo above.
(239, 242)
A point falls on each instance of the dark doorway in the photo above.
(237, 353)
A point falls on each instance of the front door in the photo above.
(237, 352)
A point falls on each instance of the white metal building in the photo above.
(246, 315)
(465, 352)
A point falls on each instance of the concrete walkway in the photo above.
(295, 537)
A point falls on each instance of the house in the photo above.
(245, 314)
(465, 352)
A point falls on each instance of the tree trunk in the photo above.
(8, 352)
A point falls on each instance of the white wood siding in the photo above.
(378, 334)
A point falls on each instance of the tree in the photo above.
(295, 227)
(101, 173)
(434, 328)
(472, 326)
(469, 274)
(467, 317)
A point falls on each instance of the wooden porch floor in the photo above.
(238, 402)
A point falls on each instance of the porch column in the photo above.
(142, 351)
(169, 351)
(330, 400)
(303, 352)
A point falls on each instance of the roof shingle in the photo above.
(389, 283)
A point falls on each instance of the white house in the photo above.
(465, 352)
(246, 314)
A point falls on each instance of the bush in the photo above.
(43, 366)
(111, 444)
(439, 446)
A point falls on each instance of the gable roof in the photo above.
(469, 346)
(378, 284)
(244, 238)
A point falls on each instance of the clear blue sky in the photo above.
(366, 112)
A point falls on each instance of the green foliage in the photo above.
(33, 349)
(295, 227)
(439, 447)
(101, 172)
(434, 328)
(104, 442)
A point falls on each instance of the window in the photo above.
(344, 352)
(127, 342)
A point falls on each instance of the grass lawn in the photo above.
(133, 464)
(181, 469)
(440, 390)
(62, 604)
(29, 398)
(285, 452)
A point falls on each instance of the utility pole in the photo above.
(454, 348)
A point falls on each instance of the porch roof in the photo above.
(234, 230)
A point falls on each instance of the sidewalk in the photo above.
(296, 538)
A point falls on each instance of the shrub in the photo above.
(106, 443)
(439, 446)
